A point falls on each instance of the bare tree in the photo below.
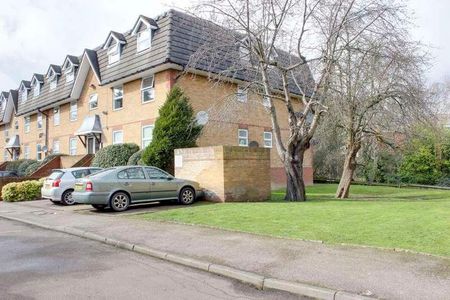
(265, 43)
(378, 91)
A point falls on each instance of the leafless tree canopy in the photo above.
(290, 52)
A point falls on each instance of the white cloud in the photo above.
(35, 34)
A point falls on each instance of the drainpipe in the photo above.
(46, 129)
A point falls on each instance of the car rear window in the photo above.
(56, 175)
(80, 173)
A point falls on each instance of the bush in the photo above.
(32, 168)
(49, 158)
(114, 155)
(22, 170)
(22, 191)
(175, 128)
(14, 165)
(135, 159)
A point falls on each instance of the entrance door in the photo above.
(92, 145)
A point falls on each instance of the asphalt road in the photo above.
(41, 264)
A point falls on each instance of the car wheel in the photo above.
(67, 198)
(119, 201)
(98, 206)
(187, 196)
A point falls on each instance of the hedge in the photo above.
(22, 170)
(114, 155)
(22, 191)
(32, 168)
(135, 159)
(14, 165)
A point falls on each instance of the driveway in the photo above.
(42, 264)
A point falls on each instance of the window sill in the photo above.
(148, 101)
(117, 109)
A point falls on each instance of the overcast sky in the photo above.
(34, 34)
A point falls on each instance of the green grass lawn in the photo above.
(408, 218)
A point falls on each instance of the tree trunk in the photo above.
(295, 188)
(347, 173)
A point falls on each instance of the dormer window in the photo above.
(143, 31)
(36, 89)
(114, 54)
(23, 93)
(70, 74)
(144, 40)
(53, 82)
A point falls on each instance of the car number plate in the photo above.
(78, 187)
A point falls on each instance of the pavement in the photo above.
(42, 264)
(360, 270)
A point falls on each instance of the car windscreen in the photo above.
(55, 175)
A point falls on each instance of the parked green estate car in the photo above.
(120, 187)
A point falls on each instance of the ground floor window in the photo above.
(5, 155)
(55, 147)
(73, 146)
(243, 137)
(267, 139)
(26, 152)
(117, 137)
(39, 152)
(147, 135)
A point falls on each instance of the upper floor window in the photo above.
(242, 94)
(16, 124)
(36, 89)
(73, 111)
(27, 124)
(93, 101)
(39, 120)
(267, 135)
(56, 116)
(70, 74)
(243, 137)
(53, 82)
(114, 53)
(55, 149)
(148, 89)
(6, 133)
(266, 101)
(117, 98)
(144, 39)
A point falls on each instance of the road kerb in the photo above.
(243, 276)
(254, 279)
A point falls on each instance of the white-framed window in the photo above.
(39, 120)
(73, 111)
(267, 136)
(93, 101)
(117, 137)
(5, 155)
(114, 53)
(266, 101)
(243, 137)
(144, 40)
(55, 149)
(36, 89)
(6, 133)
(39, 152)
(117, 98)
(16, 125)
(27, 124)
(23, 94)
(53, 82)
(73, 146)
(56, 116)
(70, 74)
(147, 135)
(26, 152)
(241, 94)
(148, 89)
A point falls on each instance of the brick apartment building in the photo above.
(112, 94)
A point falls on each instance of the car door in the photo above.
(162, 185)
(134, 182)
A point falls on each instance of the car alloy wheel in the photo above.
(187, 196)
(120, 201)
(67, 198)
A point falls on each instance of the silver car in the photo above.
(58, 187)
(120, 187)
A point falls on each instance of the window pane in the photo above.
(117, 98)
(93, 101)
(117, 137)
(243, 133)
(147, 135)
